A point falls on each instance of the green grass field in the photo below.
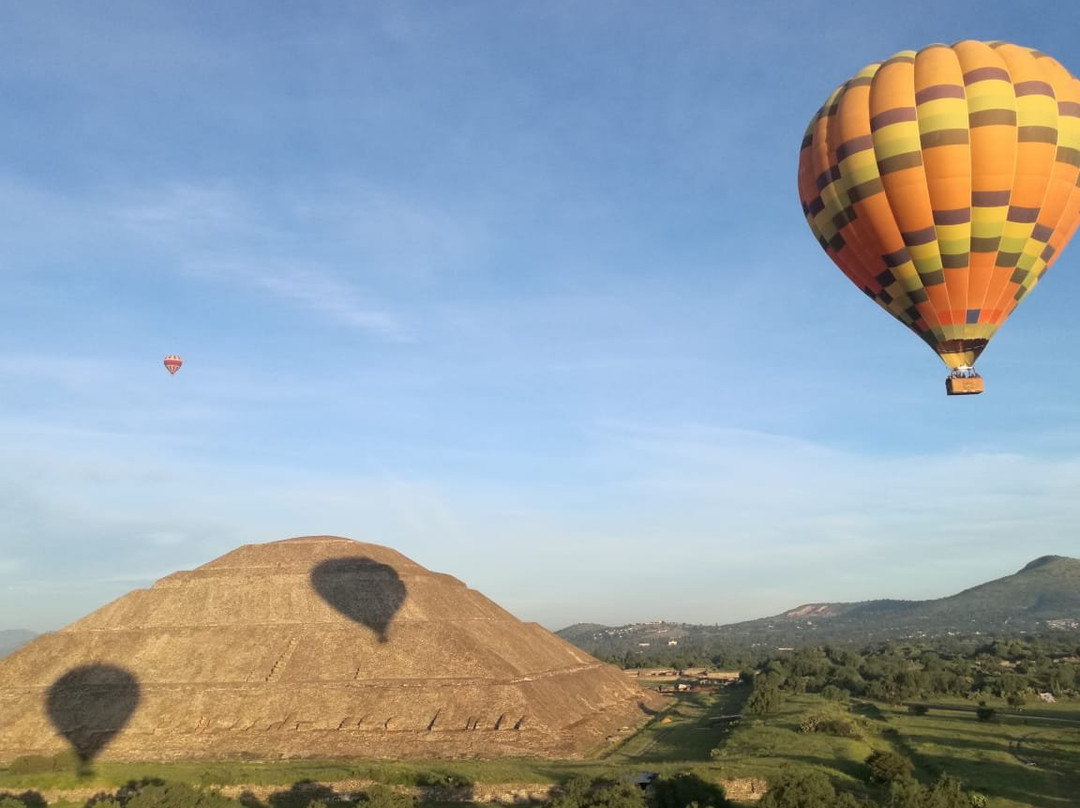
(686, 733)
(1017, 760)
(1029, 759)
(762, 747)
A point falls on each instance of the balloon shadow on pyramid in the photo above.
(365, 591)
(89, 705)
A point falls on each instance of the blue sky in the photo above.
(520, 289)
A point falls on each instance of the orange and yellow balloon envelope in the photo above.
(944, 182)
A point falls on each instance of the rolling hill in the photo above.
(1043, 596)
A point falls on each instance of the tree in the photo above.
(1062, 678)
(765, 698)
(301, 795)
(796, 789)
(947, 792)
(849, 679)
(1016, 700)
(28, 799)
(886, 766)
(685, 789)
(581, 792)
(905, 792)
(809, 662)
(884, 690)
(834, 693)
(775, 672)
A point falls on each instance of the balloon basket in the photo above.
(963, 385)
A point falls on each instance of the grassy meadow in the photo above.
(1018, 760)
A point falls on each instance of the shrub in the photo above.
(171, 795)
(886, 766)
(683, 789)
(38, 764)
(840, 727)
(581, 792)
(381, 796)
(765, 698)
(301, 795)
(834, 693)
(28, 799)
(792, 789)
(442, 780)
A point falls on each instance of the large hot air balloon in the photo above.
(943, 183)
(172, 363)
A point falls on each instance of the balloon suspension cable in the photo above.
(964, 372)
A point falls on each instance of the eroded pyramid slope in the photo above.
(310, 647)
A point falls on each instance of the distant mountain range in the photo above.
(1043, 596)
(10, 639)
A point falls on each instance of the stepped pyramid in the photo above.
(311, 647)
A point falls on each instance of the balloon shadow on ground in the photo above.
(365, 591)
(89, 705)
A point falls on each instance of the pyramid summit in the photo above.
(311, 647)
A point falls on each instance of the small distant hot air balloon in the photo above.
(943, 183)
(172, 363)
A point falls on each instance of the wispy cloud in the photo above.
(704, 524)
(323, 293)
(845, 513)
(217, 233)
(191, 216)
(63, 371)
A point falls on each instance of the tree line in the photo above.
(1015, 670)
